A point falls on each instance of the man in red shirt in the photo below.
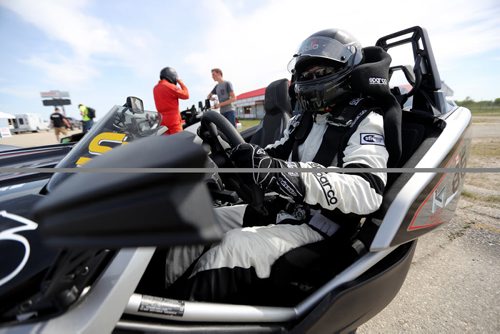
(167, 94)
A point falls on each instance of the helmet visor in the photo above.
(322, 47)
(315, 72)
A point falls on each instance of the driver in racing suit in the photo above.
(321, 68)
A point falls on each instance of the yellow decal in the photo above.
(82, 160)
(96, 146)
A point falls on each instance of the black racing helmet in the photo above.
(322, 66)
(169, 74)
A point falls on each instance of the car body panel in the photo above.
(411, 213)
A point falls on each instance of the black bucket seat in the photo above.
(277, 114)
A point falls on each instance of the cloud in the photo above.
(66, 21)
(20, 91)
(254, 49)
(66, 71)
(93, 42)
(98, 54)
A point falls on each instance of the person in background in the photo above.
(167, 93)
(225, 94)
(59, 123)
(87, 122)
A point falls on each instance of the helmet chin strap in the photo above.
(315, 110)
(326, 110)
(321, 104)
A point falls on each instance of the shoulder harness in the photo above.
(343, 122)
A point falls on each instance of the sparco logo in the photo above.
(377, 81)
(327, 188)
(287, 187)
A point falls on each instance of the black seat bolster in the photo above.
(392, 129)
(276, 100)
(271, 130)
(278, 110)
(299, 272)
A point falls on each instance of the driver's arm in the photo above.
(359, 193)
(282, 148)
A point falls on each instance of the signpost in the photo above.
(55, 98)
(56, 102)
(5, 132)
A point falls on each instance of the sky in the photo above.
(103, 51)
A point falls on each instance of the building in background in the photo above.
(250, 105)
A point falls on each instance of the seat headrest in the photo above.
(371, 78)
(276, 98)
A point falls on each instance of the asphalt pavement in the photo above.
(453, 285)
(33, 139)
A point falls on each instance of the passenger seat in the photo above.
(277, 114)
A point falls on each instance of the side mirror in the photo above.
(95, 209)
(135, 104)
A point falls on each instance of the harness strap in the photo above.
(327, 152)
(343, 122)
(361, 116)
(301, 132)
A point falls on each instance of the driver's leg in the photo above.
(179, 258)
(243, 259)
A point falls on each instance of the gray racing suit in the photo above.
(245, 255)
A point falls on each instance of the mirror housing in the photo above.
(99, 209)
(135, 104)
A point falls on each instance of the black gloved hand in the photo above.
(288, 184)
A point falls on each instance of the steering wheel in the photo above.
(212, 125)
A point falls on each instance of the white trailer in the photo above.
(29, 123)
